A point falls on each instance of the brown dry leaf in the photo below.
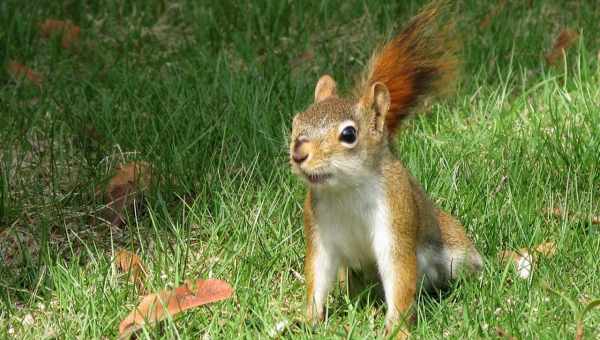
(522, 260)
(18, 71)
(579, 331)
(302, 59)
(159, 306)
(129, 262)
(565, 39)
(558, 213)
(485, 23)
(125, 188)
(502, 333)
(525, 259)
(548, 249)
(66, 29)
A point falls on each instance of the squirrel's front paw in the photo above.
(396, 333)
(314, 315)
(395, 329)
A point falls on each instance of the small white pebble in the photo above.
(568, 97)
(279, 328)
(297, 275)
(28, 320)
(524, 266)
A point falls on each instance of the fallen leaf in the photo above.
(125, 188)
(524, 259)
(548, 249)
(19, 71)
(504, 334)
(559, 213)
(579, 313)
(301, 59)
(159, 306)
(129, 262)
(565, 39)
(66, 29)
(580, 328)
(500, 185)
(485, 22)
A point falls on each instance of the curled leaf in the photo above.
(301, 59)
(524, 259)
(548, 249)
(580, 329)
(565, 39)
(125, 188)
(129, 262)
(559, 213)
(19, 71)
(159, 306)
(578, 312)
(68, 32)
(503, 334)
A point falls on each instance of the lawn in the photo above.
(205, 91)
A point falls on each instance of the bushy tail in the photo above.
(419, 62)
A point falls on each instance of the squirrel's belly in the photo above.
(351, 244)
(347, 226)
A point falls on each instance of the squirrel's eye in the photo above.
(348, 135)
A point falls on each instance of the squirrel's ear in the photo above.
(326, 88)
(377, 100)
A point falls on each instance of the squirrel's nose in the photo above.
(298, 155)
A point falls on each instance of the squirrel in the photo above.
(364, 211)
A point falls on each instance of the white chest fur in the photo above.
(352, 224)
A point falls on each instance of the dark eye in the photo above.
(348, 135)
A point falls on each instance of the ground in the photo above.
(205, 91)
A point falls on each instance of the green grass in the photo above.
(205, 92)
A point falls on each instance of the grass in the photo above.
(205, 92)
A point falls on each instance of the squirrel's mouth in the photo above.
(317, 178)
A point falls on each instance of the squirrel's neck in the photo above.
(372, 179)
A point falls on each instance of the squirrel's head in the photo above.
(336, 142)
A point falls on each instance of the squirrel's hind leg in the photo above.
(442, 260)
(458, 250)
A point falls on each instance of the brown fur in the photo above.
(393, 85)
(421, 60)
(405, 224)
(309, 236)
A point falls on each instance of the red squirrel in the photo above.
(364, 211)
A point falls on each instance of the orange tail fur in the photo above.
(420, 61)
